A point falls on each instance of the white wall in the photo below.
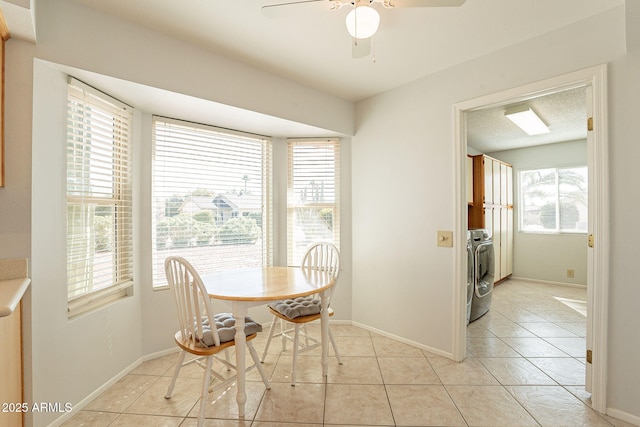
(403, 188)
(624, 153)
(80, 37)
(70, 358)
(547, 256)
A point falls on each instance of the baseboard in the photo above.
(624, 416)
(88, 399)
(548, 282)
(404, 340)
(388, 335)
(267, 325)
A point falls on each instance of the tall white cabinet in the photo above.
(492, 208)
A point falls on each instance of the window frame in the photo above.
(158, 282)
(86, 136)
(292, 205)
(558, 230)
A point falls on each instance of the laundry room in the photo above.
(531, 191)
(527, 240)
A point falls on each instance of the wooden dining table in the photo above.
(246, 288)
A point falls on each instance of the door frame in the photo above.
(598, 255)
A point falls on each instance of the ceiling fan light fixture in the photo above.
(362, 22)
(527, 120)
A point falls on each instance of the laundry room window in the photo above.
(554, 200)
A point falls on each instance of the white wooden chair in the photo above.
(300, 311)
(203, 333)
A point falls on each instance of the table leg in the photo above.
(324, 327)
(239, 312)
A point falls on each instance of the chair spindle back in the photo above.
(191, 298)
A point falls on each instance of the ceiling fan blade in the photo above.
(278, 10)
(361, 48)
(427, 3)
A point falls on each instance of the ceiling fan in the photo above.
(363, 20)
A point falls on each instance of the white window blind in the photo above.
(313, 195)
(554, 200)
(211, 197)
(99, 211)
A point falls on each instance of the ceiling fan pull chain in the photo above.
(355, 21)
(373, 50)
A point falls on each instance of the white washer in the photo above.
(484, 265)
(470, 274)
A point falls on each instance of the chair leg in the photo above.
(256, 361)
(206, 379)
(175, 375)
(283, 335)
(296, 343)
(226, 357)
(306, 336)
(335, 347)
(271, 330)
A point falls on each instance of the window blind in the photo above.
(313, 195)
(99, 198)
(211, 197)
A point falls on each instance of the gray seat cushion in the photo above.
(226, 325)
(301, 306)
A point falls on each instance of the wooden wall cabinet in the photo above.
(11, 369)
(13, 285)
(492, 208)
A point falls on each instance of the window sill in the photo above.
(556, 233)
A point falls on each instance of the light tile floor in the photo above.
(525, 367)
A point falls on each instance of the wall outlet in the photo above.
(570, 273)
(445, 239)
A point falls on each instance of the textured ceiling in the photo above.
(563, 112)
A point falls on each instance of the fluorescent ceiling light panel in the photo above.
(527, 120)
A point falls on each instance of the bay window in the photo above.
(211, 197)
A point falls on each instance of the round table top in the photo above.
(266, 283)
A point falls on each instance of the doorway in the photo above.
(594, 80)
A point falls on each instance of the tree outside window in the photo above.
(554, 200)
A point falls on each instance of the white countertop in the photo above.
(11, 292)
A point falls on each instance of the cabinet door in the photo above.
(503, 185)
(11, 367)
(469, 180)
(488, 218)
(504, 241)
(488, 181)
(509, 241)
(497, 187)
(509, 186)
(497, 242)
